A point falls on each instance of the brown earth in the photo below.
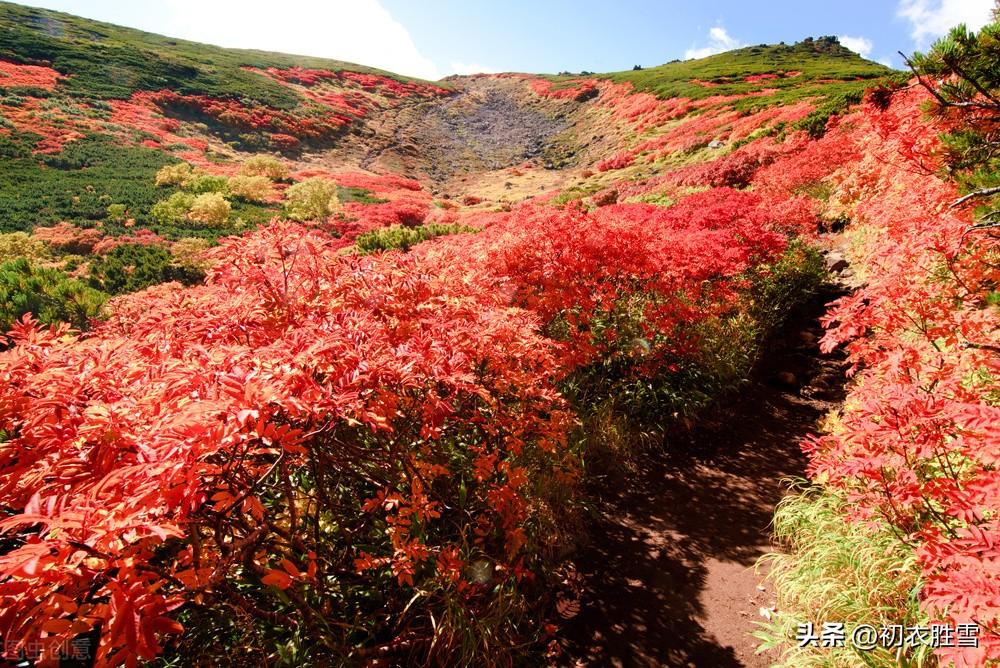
(668, 577)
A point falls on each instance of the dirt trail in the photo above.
(668, 578)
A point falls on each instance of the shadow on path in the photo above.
(668, 575)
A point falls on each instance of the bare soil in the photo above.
(668, 577)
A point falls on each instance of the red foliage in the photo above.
(66, 238)
(144, 237)
(618, 161)
(577, 89)
(919, 443)
(573, 267)
(32, 76)
(757, 78)
(365, 217)
(127, 447)
(237, 115)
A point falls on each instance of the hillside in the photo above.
(313, 364)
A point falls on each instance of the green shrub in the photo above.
(403, 238)
(49, 294)
(132, 267)
(173, 210)
(76, 185)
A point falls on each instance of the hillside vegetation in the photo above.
(310, 364)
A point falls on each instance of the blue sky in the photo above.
(434, 38)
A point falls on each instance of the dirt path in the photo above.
(668, 578)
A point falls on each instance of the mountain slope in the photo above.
(348, 347)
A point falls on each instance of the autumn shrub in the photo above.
(635, 326)
(914, 447)
(404, 212)
(340, 455)
(211, 209)
(173, 210)
(250, 188)
(618, 161)
(67, 238)
(207, 183)
(266, 166)
(177, 174)
(314, 198)
(21, 244)
(191, 252)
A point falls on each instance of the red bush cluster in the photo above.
(408, 212)
(252, 118)
(156, 460)
(574, 267)
(67, 238)
(618, 161)
(918, 446)
(577, 89)
(30, 76)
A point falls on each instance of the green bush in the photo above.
(49, 294)
(76, 185)
(403, 238)
(132, 267)
(173, 210)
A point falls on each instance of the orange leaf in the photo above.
(276, 578)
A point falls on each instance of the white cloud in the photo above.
(933, 18)
(859, 45)
(358, 31)
(718, 41)
(471, 68)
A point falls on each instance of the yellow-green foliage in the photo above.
(312, 199)
(21, 244)
(210, 209)
(264, 165)
(173, 210)
(403, 238)
(251, 188)
(117, 213)
(840, 572)
(190, 252)
(207, 183)
(174, 175)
